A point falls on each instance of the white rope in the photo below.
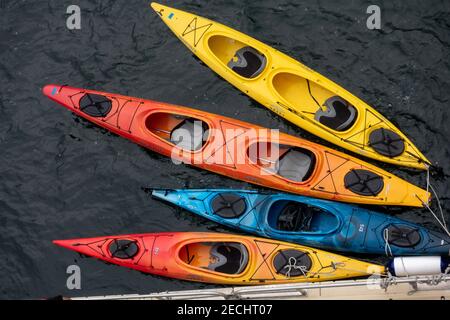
(442, 223)
(436, 196)
(387, 246)
(341, 266)
(439, 205)
(439, 221)
(293, 265)
(388, 281)
(404, 267)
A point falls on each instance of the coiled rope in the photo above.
(293, 265)
(387, 246)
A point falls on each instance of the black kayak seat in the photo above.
(295, 216)
(292, 262)
(296, 165)
(248, 62)
(229, 258)
(339, 114)
(189, 135)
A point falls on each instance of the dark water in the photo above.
(61, 177)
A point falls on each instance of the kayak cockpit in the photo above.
(244, 60)
(312, 99)
(223, 257)
(185, 132)
(293, 216)
(292, 163)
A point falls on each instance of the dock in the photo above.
(436, 287)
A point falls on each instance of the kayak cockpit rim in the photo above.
(291, 154)
(224, 47)
(164, 126)
(210, 258)
(285, 84)
(306, 220)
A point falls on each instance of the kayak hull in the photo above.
(147, 122)
(163, 254)
(290, 89)
(352, 229)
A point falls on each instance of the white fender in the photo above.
(417, 266)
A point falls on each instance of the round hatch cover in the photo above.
(123, 249)
(386, 142)
(363, 182)
(404, 236)
(95, 105)
(292, 263)
(228, 205)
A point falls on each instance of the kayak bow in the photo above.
(236, 149)
(220, 258)
(292, 90)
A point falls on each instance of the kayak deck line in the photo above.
(418, 287)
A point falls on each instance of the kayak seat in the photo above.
(189, 134)
(295, 216)
(247, 62)
(292, 263)
(296, 165)
(229, 258)
(228, 205)
(339, 114)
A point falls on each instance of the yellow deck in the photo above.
(285, 86)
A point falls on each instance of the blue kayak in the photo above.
(309, 221)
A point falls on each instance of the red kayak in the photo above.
(239, 149)
(221, 258)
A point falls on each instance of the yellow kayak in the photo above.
(292, 90)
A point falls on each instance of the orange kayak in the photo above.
(221, 258)
(239, 149)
